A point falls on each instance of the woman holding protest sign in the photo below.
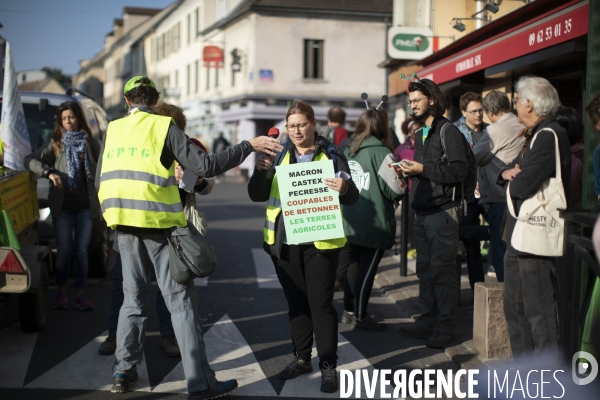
(370, 224)
(306, 271)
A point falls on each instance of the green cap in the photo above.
(131, 84)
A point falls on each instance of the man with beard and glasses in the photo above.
(437, 175)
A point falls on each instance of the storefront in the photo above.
(545, 38)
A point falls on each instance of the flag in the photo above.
(14, 130)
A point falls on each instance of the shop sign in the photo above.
(406, 43)
(265, 75)
(568, 25)
(212, 56)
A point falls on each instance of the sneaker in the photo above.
(83, 303)
(109, 346)
(295, 369)
(121, 382)
(170, 346)
(338, 286)
(347, 317)
(491, 272)
(219, 390)
(60, 301)
(438, 340)
(329, 379)
(413, 331)
(368, 324)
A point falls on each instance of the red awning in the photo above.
(561, 26)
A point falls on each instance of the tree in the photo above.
(56, 73)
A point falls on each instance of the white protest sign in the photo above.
(311, 211)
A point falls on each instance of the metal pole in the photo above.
(592, 86)
(404, 238)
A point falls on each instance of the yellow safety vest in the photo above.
(135, 188)
(274, 209)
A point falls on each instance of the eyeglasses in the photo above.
(301, 127)
(414, 101)
(515, 100)
(473, 112)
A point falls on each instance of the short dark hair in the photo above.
(468, 97)
(336, 114)
(144, 94)
(593, 110)
(170, 110)
(569, 119)
(496, 102)
(432, 91)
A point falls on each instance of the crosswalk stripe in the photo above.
(87, 370)
(308, 386)
(15, 352)
(198, 282)
(231, 357)
(265, 271)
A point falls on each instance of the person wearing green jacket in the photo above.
(369, 224)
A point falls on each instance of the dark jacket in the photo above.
(43, 161)
(259, 190)
(371, 221)
(537, 166)
(438, 188)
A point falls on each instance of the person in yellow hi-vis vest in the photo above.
(306, 271)
(139, 199)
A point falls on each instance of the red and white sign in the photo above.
(565, 25)
(212, 57)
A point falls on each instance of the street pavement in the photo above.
(245, 322)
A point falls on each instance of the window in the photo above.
(176, 78)
(159, 47)
(216, 77)
(175, 37)
(188, 79)
(196, 76)
(165, 42)
(197, 22)
(189, 28)
(207, 78)
(313, 58)
(221, 9)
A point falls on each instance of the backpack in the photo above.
(469, 185)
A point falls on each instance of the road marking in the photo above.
(15, 353)
(231, 357)
(198, 282)
(308, 386)
(265, 271)
(87, 370)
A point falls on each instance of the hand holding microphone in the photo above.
(267, 144)
(273, 133)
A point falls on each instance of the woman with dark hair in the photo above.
(369, 224)
(570, 121)
(306, 271)
(68, 160)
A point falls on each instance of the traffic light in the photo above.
(236, 60)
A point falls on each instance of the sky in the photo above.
(59, 33)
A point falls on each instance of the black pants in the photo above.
(472, 233)
(436, 238)
(344, 263)
(529, 303)
(360, 277)
(307, 276)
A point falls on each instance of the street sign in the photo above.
(405, 43)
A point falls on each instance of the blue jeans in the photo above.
(80, 222)
(165, 326)
(497, 245)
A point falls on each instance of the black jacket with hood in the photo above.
(438, 188)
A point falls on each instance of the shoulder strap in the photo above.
(443, 138)
(279, 156)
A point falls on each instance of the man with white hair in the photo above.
(530, 280)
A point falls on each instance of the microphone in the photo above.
(273, 133)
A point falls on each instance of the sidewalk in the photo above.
(404, 291)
